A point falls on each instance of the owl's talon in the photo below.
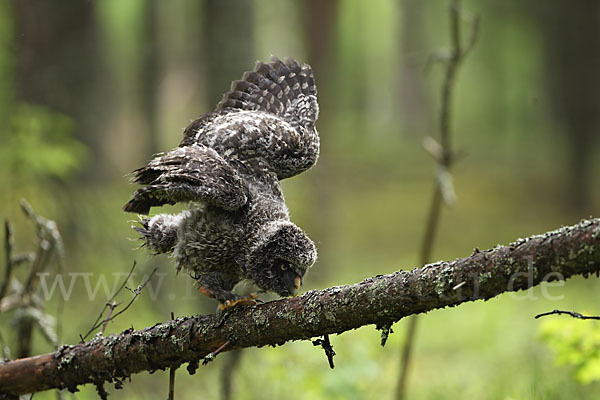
(206, 292)
(245, 301)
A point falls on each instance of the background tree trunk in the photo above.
(229, 44)
(57, 63)
(572, 45)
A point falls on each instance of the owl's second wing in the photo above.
(190, 173)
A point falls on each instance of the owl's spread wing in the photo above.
(286, 89)
(190, 173)
(270, 113)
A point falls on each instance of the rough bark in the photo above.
(380, 300)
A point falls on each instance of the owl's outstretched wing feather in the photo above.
(191, 173)
(286, 89)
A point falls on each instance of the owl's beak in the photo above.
(297, 284)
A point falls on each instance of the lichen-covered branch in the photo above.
(380, 300)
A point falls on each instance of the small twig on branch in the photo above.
(172, 374)
(211, 356)
(571, 313)
(95, 324)
(110, 304)
(378, 300)
(137, 291)
(386, 330)
(111, 307)
(326, 345)
(101, 391)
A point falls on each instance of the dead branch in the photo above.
(108, 304)
(571, 313)
(380, 300)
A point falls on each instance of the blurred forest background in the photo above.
(91, 89)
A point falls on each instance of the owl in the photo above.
(227, 169)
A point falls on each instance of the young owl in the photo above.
(228, 167)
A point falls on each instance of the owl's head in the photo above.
(281, 259)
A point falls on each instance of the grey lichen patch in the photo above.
(163, 331)
(65, 358)
(108, 353)
(336, 289)
(329, 315)
(444, 281)
(516, 243)
(259, 318)
(484, 277)
(313, 318)
(423, 277)
(201, 329)
(596, 233)
(177, 342)
(588, 248)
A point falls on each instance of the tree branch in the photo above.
(571, 313)
(380, 300)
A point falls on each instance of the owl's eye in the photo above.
(283, 265)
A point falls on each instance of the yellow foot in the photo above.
(246, 301)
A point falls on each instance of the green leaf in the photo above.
(576, 343)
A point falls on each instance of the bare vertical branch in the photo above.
(8, 262)
(443, 191)
(172, 383)
(230, 366)
(23, 298)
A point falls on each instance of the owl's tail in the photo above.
(159, 233)
(286, 89)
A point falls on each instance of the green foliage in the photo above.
(39, 144)
(576, 343)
